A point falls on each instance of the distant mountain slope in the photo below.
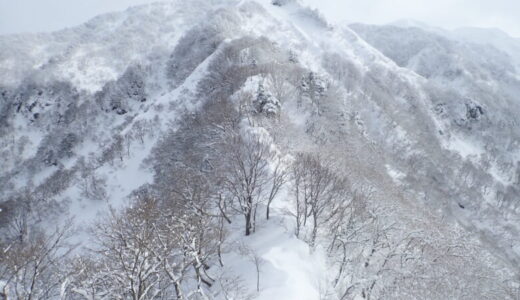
(100, 50)
(474, 91)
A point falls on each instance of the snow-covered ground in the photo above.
(288, 268)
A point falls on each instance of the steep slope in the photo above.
(474, 92)
(149, 105)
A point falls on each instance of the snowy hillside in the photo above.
(254, 150)
(474, 90)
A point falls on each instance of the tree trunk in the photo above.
(220, 240)
(314, 231)
(248, 223)
(178, 291)
(253, 226)
(248, 215)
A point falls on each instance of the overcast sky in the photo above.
(46, 15)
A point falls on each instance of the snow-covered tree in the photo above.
(147, 252)
(33, 268)
(312, 89)
(265, 102)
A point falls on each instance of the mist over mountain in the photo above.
(256, 150)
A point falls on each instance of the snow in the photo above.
(289, 269)
(490, 36)
(130, 174)
(505, 179)
(300, 269)
(120, 183)
(396, 175)
(100, 50)
(463, 147)
(89, 73)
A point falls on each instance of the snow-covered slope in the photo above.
(100, 50)
(420, 125)
(474, 90)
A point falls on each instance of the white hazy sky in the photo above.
(46, 15)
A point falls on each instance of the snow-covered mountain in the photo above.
(153, 132)
(474, 92)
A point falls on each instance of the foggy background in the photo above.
(47, 15)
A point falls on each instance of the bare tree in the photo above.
(92, 185)
(320, 193)
(139, 130)
(278, 178)
(247, 174)
(148, 251)
(256, 259)
(19, 225)
(127, 266)
(32, 269)
(279, 82)
(232, 287)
